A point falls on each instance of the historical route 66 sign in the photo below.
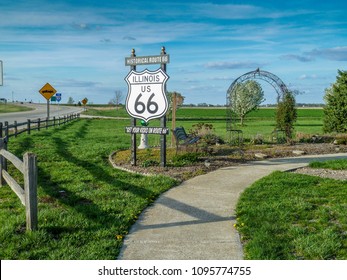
(146, 97)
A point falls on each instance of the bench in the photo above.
(183, 139)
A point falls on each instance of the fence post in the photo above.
(53, 121)
(47, 121)
(15, 128)
(30, 190)
(28, 126)
(38, 124)
(1, 161)
(0, 129)
(6, 130)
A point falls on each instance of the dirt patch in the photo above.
(217, 157)
(323, 173)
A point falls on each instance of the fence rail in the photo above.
(13, 130)
(28, 195)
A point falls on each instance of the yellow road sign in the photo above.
(47, 91)
(84, 101)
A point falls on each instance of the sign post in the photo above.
(58, 97)
(1, 74)
(146, 98)
(47, 91)
(163, 121)
(84, 102)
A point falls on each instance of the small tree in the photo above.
(70, 101)
(117, 99)
(286, 115)
(335, 110)
(245, 98)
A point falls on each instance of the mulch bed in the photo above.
(223, 156)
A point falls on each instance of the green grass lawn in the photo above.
(340, 164)
(11, 108)
(258, 123)
(291, 216)
(85, 206)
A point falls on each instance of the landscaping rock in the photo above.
(299, 153)
(260, 155)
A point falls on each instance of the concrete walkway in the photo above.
(195, 219)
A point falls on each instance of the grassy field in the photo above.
(258, 123)
(291, 216)
(85, 206)
(11, 108)
(340, 164)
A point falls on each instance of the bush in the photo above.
(313, 138)
(185, 159)
(257, 139)
(341, 139)
(286, 115)
(206, 133)
(335, 110)
(149, 162)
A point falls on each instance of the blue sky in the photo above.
(79, 46)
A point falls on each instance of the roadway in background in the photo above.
(39, 111)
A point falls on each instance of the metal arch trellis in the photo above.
(272, 79)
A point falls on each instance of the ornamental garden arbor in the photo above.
(270, 78)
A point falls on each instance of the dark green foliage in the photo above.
(335, 111)
(185, 159)
(286, 115)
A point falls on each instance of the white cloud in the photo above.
(300, 58)
(233, 65)
(308, 77)
(232, 11)
(336, 53)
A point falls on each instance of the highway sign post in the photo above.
(146, 98)
(47, 91)
(84, 102)
(58, 97)
(143, 60)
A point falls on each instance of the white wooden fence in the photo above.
(28, 195)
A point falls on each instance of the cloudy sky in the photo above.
(79, 46)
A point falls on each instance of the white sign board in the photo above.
(146, 97)
(153, 59)
(1, 74)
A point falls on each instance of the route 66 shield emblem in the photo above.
(146, 97)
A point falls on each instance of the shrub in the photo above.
(206, 132)
(341, 139)
(286, 115)
(185, 159)
(335, 110)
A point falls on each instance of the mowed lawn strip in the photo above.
(85, 206)
(340, 164)
(259, 122)
(11, 108)
(291, 216)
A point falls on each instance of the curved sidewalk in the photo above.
(195, 219)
